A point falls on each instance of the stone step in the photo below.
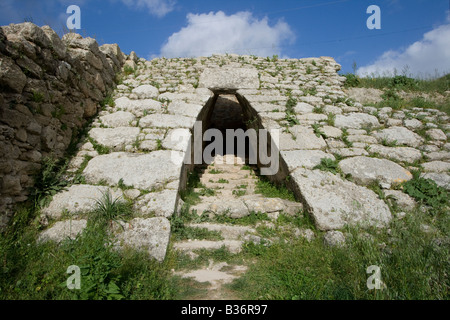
(236, 176)
(242, 206)
(189, 247)
(233, 193)
(229, 187)
(232, 185)
(228, 232)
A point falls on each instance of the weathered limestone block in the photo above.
(334, 203)
(151, 235)
(141, 171)
(366, 170)
(77, 199)
(229, 79)
(62, 230)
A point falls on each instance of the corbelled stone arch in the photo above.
(238, 83)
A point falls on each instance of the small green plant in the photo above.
(159, 145)
(215, 171)
(156, 84)
(327, 164)
(318, 131)
(37, 97)
(389, 143)
(291, 119)
(108, 101)
(207, 192)
(403, 82)
(239, 192)
(123, 186)
(331, 119)
(223, 181)
(127, 70)
(137, 143)
(344, 137)
(351, 81)
(310, 91)
(48, 181)
(320, 109)
(290, 104)
(101, 149)
(426, 191)
(109, 210)
(391, 99)
(58, 112)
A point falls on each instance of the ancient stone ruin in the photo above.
(51, 87)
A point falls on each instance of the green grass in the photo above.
(37, 271)
(101, 149)
(251, 220)
(109, 209)
(439, 85)
(331, 119)
(182, 231)
(270, 190)
(412, 266)
(385, 142)
(239, 193)
(391, 86)
(108, 101)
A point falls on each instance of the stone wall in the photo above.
(49, 88)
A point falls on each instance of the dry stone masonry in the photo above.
(160, 101)
(49, 88)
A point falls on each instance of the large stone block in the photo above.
(142, 171)
(334, 203)
(229, 79)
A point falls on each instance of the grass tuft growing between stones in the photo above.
(270, 190)
(330, 165)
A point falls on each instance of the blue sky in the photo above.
(415, 33)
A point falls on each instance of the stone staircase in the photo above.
(229, 188)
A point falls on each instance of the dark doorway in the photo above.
(228, 114)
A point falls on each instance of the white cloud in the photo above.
(421, 59)
(157, 7)
(239, 33)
